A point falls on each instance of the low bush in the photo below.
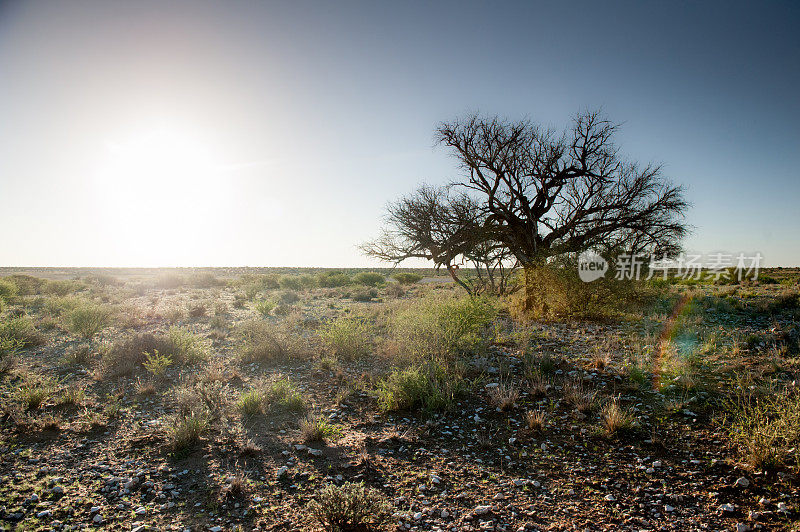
(765, 427)
(350, 507)
(407, 278)
(317, 429)
(332, 279)
(88, 319)
(290, 282)
(127, 356)
(431, 387)
(348, 338)
(369, 278)
(19, 333)
(264, 307)
(7, 289)
(186, 347)
(157, 363)
(265, 341)
(436, 327)
(288, 297)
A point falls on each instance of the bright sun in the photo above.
(159, 189)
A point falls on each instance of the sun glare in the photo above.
(158, 189)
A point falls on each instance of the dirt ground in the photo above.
(104, 459)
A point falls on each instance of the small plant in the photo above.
(615, 420)
(584, 401)
(80, 356)
(332, 279)
(265, 306)
(33, 394)
(185, 431)
(7, 289)
(347, 338)
(430, 387)
(73, 396)
(20, 333)
(282, 394)
(535, 419)
(157, 363)
(503, 396)
(89, 319)
(187, 348)
(350, 507)
(316, 429)
(251, 403)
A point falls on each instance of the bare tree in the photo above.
(445, 228)
(546, 194)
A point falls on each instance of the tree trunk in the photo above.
(452, 272)
(535, 300)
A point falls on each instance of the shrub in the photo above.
(20, 332)
(614, 419)
(503, 396)
(307, 281)
(407, 278)
(365, 295)
(332, 279)
(288, 297)
(430, 387)
(316, 429)
(765, 427)
(157, 363)
(264, 307)
(185, 431)
(126, 356)
(89, 319)
(350, 507)
(251, 402)
(347, 338)
(535, 419)
(197, 311)
(290, 282)
(441, 328)
(369, 278)
(264, 341)
(186, 347)
(7, 289)
(283, 395)
(73, 395)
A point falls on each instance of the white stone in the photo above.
(742, 482)
(482, 510)
(610, 498)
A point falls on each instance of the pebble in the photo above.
(281, 471)
(742, 482)
(482, 510)
(727, 507)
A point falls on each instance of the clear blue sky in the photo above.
(260, 133)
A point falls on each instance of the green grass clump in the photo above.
(347, 337)
(407, 278)
(185, 431)
(34, 393)
(282, 394)
(187, 347)
(369, 278)
(436, 327)
(351, 507)
(765, 427)
(431, 387)
(290, 282)
(251, 403)
(88, 319)
(19, 333)
(264, 307)
(317, 429)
